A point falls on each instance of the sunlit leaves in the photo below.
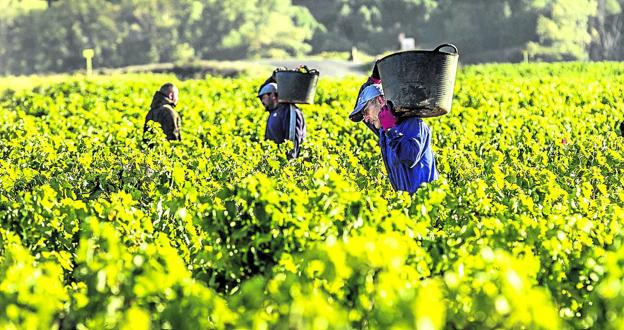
(222, 230)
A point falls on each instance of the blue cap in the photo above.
(268, 88)
(368, 93)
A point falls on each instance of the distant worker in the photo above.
(162, 111)
(405, 144)
(285, 120)
(622, 128)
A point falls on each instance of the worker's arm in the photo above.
(408, 146)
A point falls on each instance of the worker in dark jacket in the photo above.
(622, 128)
(162, 111)
(285, 121)
(405, 144)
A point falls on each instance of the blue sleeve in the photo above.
(299, 131)
(300, 127)
(296, 129)
(409, 148)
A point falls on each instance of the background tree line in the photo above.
(45, 36)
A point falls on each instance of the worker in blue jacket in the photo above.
(405, 144)
(285, 121)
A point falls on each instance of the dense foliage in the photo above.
(37, 38)
(220, 230)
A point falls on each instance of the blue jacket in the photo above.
(286, 123)
(407, 154)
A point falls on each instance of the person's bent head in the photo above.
(372, 109)
(170, 91)
(369, 104)
(268, 96)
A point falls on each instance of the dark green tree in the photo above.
(252, 28)
(126, 32)
(372, 26)
(563, 29)
(607, 31)
(483, 30)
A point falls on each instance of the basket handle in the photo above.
(455, 51)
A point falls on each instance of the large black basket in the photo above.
(296, 86)
(419, 83)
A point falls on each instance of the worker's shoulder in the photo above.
(288, 106)
(412, 121)
(167, 109)
(412, 125)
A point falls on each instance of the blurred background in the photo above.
(49, 36)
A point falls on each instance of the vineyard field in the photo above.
(524, 228)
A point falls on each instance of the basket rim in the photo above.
(423, 52)
(309, 73)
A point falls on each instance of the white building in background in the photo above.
(406, 43)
